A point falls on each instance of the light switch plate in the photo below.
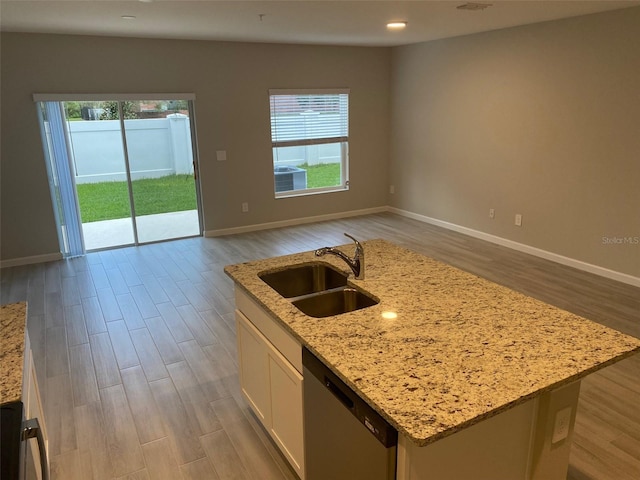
(221, 155)
(518, 220)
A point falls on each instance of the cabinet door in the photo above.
(286, 409)
(254, 368)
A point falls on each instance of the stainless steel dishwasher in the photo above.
(344, 438)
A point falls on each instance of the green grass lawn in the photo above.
(322, 175)
(173, 193)
(109, 200)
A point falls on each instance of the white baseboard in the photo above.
(294, 221)
(16, 262)
(521, 247)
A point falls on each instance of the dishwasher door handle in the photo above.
(338, 393)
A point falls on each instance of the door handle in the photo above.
(338, 393)
(31, 429)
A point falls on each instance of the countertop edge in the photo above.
(423, 442)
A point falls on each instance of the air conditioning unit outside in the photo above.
(289, 178)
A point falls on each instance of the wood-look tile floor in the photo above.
(136, 355)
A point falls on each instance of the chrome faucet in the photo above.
(356, 263)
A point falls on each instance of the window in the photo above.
(310, 141)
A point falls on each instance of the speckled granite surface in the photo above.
(12, 324)
(461, 348)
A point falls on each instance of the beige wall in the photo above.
(230, 81)
(541, 120)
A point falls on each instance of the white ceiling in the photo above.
(331, 22)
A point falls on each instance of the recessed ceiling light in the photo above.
(128, 17)
(396, 25)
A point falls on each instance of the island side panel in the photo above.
(517, 444)
(497, 449)
(554, 433)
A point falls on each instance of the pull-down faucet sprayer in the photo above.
(356, 263)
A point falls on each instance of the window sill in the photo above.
(313, 191)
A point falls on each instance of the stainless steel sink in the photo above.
(317, 289)
(334, 302)
(304, 279)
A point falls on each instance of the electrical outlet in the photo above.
(492, 213)
(392, 189)
(518, 220)
(561, 425)
(245, 207)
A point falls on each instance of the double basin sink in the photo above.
(318, 289)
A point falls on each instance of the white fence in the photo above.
(309, 154)
(291, 127)
(156, 147)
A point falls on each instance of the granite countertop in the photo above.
(459, 350)
(12, 324)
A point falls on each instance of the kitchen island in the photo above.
(445, 352)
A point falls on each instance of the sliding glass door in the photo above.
(100, 172)
(160, 155)
(130, 168)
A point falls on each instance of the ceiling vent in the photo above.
(474, 6)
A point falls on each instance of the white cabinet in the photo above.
(286, 409)
(254, 367)
(270, 364)
(33, 409)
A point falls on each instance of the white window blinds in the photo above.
(309, 118)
